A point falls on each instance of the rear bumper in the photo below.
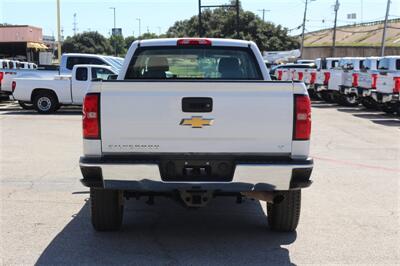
(144, 175)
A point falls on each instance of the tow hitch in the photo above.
(196, 198)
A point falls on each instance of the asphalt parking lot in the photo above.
(350, 215)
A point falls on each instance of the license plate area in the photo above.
(197, 170)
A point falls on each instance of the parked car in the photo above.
(388, 84)
(47, 95)
(68, 61)
(194, 133)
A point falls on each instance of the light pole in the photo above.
(304, 26)
(334, 29)
(58, 31)
(113, 8)
(140, 26)
(263, 12)
(113, 32)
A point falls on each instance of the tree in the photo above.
(221, 23)
(87, 42)
(118, 43)
(128, 41)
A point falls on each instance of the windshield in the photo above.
(193, 63)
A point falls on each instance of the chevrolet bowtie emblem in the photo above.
(196, 122)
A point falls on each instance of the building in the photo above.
(21, 42)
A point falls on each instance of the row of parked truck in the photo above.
(373, 82)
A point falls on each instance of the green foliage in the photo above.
(118, 43)
(128, 41)
(87, 42)
(221, 23)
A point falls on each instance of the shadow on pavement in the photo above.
(168, 234)
(32, 112)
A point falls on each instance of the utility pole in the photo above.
(304, 27)
(200, 22)
(334, 29)
(237, 19)
(236, 5)
(263, 12)
(140, 26)
(384, 29)
(58, 31)
(159, 31)
(74, 25)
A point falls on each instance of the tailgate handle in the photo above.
(197, 104)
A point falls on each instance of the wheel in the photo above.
(349, 100)
(283, 215)
(25, 105)
(369, 103)
(389, 109)
(107, 209)
(45, 102)
(325, 95)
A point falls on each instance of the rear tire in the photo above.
(107, 209)
(369, 103)
(387, 108)
(349, 100)
(45, 102)
(284, 215)
(25, 105)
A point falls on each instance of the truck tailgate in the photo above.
(147, 117)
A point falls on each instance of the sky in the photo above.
(158, 15)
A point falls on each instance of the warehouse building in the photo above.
(22, 42)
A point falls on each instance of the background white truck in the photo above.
(68, 61)
(47, 95)
(194, 119)
(388, 84)
(324, 65)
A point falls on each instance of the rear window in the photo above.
(79, 60)
(398, 64)
(193, 63)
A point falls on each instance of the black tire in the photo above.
(284, 215)
(349, 100)
(325, 95)
(369, 103)
(26, 105)
(107, 209)
(388, 108)
(45, 102)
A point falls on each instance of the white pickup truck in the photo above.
(388, 84)
(365, 82)
(68, 61)
(324, 65)
(194, 119)
(47, 95)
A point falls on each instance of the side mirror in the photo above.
(112, 77)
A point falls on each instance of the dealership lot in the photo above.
(349, 215)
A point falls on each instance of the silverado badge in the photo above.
(196, 122)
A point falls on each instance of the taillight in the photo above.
(396, 88)
(374, 80)
(301, 74)
(1, 76)
(313, 77)
(355, 80)
(302, 117)
(13, 86)
(279, 74)
(191, 41)
(327, 76)
(91, 116)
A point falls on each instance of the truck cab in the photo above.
(324, 65)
